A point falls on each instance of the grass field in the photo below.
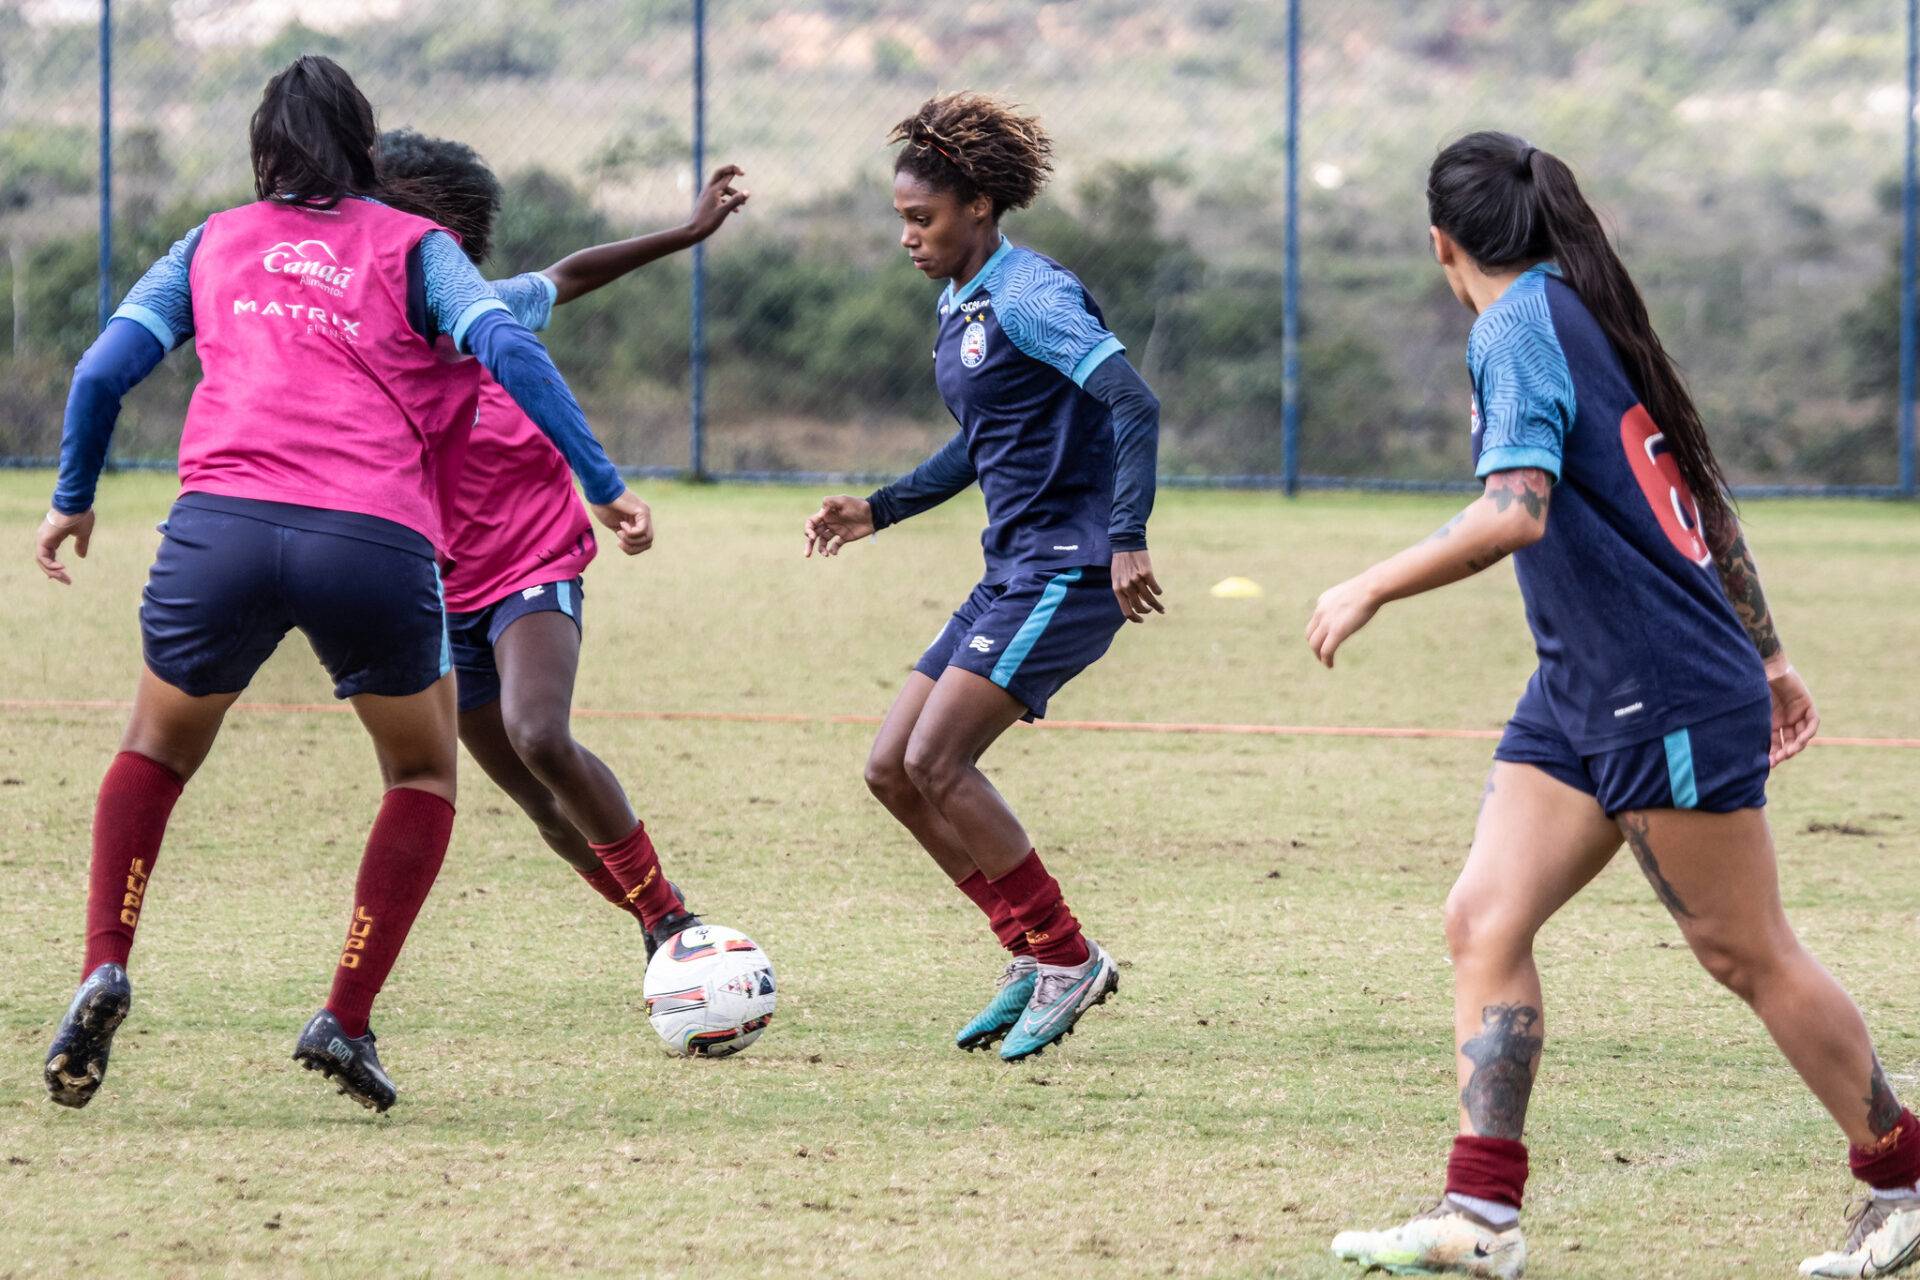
(1278, 1065)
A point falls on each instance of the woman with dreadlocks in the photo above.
(1061, 434)
(1662, 700)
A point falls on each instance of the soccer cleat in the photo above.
(77, 1059)
(1008, 1003)
(1060, 995)
(1883, 1237)
(678, 922)
(348, 1061)
(1447, 1239)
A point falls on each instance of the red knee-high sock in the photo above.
(1488, 1169)
(607, 887)
(999, 914)
(404, 853)
(129, 821)
(636, 866)
(1893, 1162)
(1033, 895)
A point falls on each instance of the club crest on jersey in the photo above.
(973, 345)
(313, 261)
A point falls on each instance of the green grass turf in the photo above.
(1277, 1065)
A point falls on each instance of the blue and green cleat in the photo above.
(1008, 1003)
(1060, 996)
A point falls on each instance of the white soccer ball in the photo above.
(709, 992)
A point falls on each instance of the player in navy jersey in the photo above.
(1061, 434)
(1662, 699)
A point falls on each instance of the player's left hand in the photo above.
(56, 529)
(1795, 720)
(1340, 611)
(630, 519)
(718, 201)
(1134, 585)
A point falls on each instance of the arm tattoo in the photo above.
(1742, 583)
(1477, 563)
(1634, 826)
(1883, 1109)
(1503, 1057)
(1446, 528)
(1527, 486)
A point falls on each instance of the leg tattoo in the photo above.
(1503, 1055)
(1634, 826)
(1883, 1109)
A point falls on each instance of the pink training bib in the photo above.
(316, 389)
(512, 518)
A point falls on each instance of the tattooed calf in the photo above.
(1503, 1056)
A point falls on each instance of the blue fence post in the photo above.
(1911, 206)
(106, 161)
(697, 353)
(1290, 302)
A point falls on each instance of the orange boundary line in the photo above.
(1080, 726)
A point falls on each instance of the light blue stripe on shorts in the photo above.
(1029, 633)
(1686, 794)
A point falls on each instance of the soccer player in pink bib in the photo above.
(308, 467)
(519, 541)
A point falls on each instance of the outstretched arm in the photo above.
(583, 272)
(1795, 720)
(843, 518)
(1510, 514)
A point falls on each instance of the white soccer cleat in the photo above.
(1445, 1240)
(1884, 1237)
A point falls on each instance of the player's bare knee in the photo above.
(1743, 961)
(543, 743)
(933, 769)
(888, 781)
(1479, 930)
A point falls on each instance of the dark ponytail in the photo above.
(1508, 204)
(312, 136)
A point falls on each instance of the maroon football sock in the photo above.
(404, 852)
(1893, 1162)
(607, 887)
(1488, 1169)
(1033, 895)
(129, 821)
(999, 915)
(636, 867)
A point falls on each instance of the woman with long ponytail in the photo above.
(1662, 700)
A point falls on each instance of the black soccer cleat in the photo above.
(679, 922)
(348, 1061)
(77, 1060)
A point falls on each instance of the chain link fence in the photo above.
(1749, 155)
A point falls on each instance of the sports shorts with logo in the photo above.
(1717, 765)
(478, 630)
(234, 575)
(1030, 634)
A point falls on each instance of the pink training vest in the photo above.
(316, 390)
(511, 515)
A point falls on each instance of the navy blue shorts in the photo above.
(1030, 634)
(227, 587)
(1716, 766)
(478, 630)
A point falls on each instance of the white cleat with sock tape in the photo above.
(1448, 1239)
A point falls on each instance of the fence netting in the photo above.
(1748, 156)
